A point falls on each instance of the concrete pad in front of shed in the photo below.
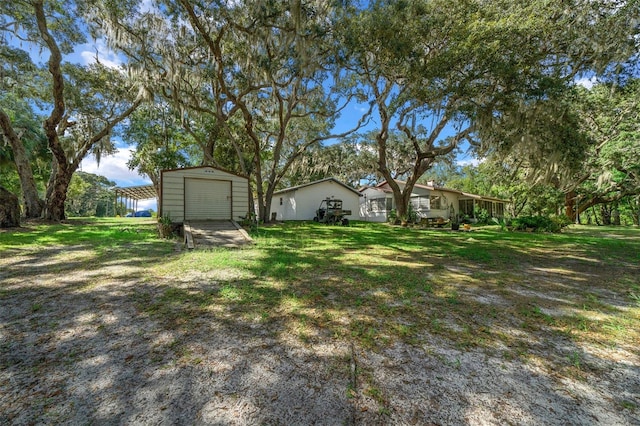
(217, 233)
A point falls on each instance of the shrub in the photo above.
(541, 223)
(165, 226)
(392, 216)
(412, 215)
(505, 223)
(483, 217)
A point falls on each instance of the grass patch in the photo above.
(371, 283)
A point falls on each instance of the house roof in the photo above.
(330, 179)
(483, 197)
(384, 187)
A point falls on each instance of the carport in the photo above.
(128, 197)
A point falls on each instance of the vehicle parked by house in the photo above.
(331, 212)
(301, 202)
(140, 213)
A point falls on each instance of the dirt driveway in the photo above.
(79, 344)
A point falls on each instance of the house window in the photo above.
(280, 200)
(379, 204)
(466, 207)
(436, 202)
(488, 206)
(420, 203)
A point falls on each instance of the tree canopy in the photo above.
(257, 87)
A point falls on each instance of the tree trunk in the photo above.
(260, 199)
(402, 207)
(54, 208)
(615, 217)
(267, 202)
(570, 205)
(9, 209)
(251, 214)
(401, 197)
(635, 211)
(605, 211)
(32, 203)
(595, 215)
(58, 195)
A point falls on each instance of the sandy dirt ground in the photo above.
(76, 348)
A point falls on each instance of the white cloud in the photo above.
(114, 167)
(99, 51)
(587, 82)
(147, 6)
(148, 205)
(470, 162)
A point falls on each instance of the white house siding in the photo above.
(229, 194)
(447, 200)
(301, 203)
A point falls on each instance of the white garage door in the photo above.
(207, 199)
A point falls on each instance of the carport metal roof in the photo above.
(142, 192)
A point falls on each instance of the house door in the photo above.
(289, 211)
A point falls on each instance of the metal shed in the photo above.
(203, 193)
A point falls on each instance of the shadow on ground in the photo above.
(409, 330)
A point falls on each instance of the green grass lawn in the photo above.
(511, 293)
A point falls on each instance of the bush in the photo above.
(541, 223)
(482, 217)
(562, 220)
(392, 216)
(165, 226)
(505, 223)
(412, 215)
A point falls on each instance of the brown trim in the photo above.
(160, 198)
(184, 198)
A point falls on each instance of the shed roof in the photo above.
(330, 179)
(220, 169)
(142, 192)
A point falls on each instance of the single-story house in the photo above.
(428, 201)
(301, 202)
(203, 193)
